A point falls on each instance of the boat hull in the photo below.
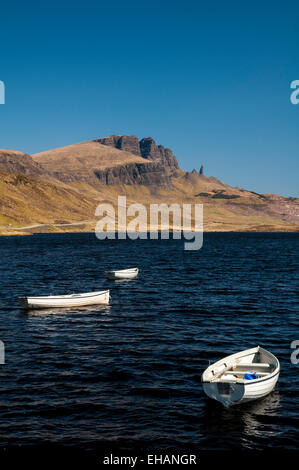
(124, 274)
(231, 393)
(66, 301)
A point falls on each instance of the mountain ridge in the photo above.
(65, 185)
(98, 162)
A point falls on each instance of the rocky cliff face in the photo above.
(151, 151)
(19, 163)
(157, 170)
(148, 174)
(128, 143)
(145, 148)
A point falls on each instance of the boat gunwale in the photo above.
(86, 295)
(242, 382)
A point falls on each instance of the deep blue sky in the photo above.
(210, 80)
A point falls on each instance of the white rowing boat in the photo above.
(242, 377)
(123, 274)
(63, 301)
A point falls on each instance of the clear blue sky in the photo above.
(210, 80)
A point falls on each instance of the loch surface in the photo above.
(130, 373)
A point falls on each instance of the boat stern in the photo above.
(227, 393)
(107, 297)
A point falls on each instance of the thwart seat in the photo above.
(254, 365)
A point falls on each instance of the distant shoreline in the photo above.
(27, 232)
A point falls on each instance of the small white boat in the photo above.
(242, 377)
(63, 301)
(123, 274)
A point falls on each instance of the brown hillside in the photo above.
(12, 161)
(64, 186)
(26, 200)
(79, 162)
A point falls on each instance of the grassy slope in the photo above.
(246, 211)
(27, 200)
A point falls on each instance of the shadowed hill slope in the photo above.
(21, 163)
(28, 194)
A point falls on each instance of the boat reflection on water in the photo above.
(256, 419)
(91, 309)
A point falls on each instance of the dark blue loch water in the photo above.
(129, 373)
